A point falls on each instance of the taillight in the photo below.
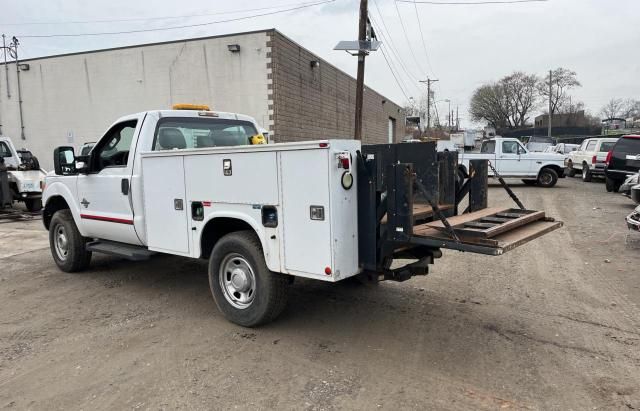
(594, 159)
(608, 159)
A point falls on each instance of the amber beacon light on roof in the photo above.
(186, 106)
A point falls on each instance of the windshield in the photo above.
(184, 133)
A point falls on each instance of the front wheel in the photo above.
(68, 246)
(244, 289)
(33, 204)
(547, 177)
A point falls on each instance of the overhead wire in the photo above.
(384, 37)
(32, 23)
(174, 27)
(406, 37)
(470, 3)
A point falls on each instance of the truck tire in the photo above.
(244, 289)
(570, 171)
(33, 204)
(547, 177)
(612, 185)
(586, 173)
(68, 246)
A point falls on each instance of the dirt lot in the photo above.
(551, 325)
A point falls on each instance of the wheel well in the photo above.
(54, 204)
(215, 229)
(555, 168)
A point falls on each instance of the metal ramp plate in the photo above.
(486, 237)
(489, 222)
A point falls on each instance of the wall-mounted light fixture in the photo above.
(384, 101)
(314, 63)
(234, 48)
(23, 67)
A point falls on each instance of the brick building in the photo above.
(71, 99)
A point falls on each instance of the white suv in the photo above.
(590, 158)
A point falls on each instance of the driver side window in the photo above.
(113, 149)
(510, 147)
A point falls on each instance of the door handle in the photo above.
(124, 186)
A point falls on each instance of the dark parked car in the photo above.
(622, 161)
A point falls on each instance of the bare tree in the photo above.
(521, 96)
(489, 103)
(507, 103)
(562, 80)
(613, 109)
(630, 108)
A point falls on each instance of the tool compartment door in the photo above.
(305, 183)
(165, 205)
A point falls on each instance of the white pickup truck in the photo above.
(511, 159)
(202, 184)
(25, 177)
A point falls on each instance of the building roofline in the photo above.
(159, 43)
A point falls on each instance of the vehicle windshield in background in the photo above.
(607, 146)
(184, 133)
(545, 140)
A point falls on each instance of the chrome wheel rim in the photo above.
(61, 242)
(584, 173)
(237, 281)
(545, 178)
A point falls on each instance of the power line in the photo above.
(406, 37)
(463, 3)
(424, 44)
(392, 73)
(154, 18)
(176, 27)
(400, 63)
(392, 45)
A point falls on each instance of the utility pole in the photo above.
(428, 81)
(457, 119)
(550, 113)
(362, 36)
(6, 68)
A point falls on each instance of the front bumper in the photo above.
(633, 220)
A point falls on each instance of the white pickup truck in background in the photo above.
(512, 160)
(24, 175)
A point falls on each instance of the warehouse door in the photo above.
(392, 130)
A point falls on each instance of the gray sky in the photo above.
(466, 45)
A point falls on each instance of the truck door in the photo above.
(509, 161)
(103, 193)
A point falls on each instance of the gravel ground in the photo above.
(551, 325)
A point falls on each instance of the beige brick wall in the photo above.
(319, 102)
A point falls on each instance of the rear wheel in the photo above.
(68, 246)
(612, 185)
(547, 177)
(244, 289)
(33, 204)
(586, 173)
(571, 172)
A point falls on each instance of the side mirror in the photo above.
(64, 161)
